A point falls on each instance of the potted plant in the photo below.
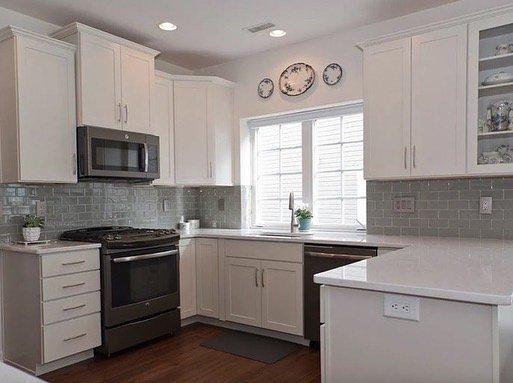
(32, 227)
(304, 217)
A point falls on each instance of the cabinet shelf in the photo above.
(496, 86)
(492, 62)
(495, 134)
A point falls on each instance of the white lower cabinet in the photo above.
(51, 305)
(263, 293)
(207, 277)
(187, 278)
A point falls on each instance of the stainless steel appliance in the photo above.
(111, 153)
(139, 283)
(319, 258)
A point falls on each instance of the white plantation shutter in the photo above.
(332, 183)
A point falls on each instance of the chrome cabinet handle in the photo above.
(256, 277)
(405, 165)
(126, 114)
(120, 112)
(263, 285)
(74, 308)
(75, 337)
(144, 256)
(74, 285)
(414, 155)
(210, 170)
(73, 263)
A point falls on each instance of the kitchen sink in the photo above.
(283, 234)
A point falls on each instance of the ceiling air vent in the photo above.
(259, 27)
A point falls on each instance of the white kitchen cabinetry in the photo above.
(261, 292)
(207, 277)
(187, 278)
(37, 108)
(415, 111)
(164, 127)
(489, 147)
(203, 126)
(115, 79)
(51, 307)
(387, 87)
(439, 78)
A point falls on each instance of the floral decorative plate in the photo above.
(332, 74)
(265, 88)
(297, 79)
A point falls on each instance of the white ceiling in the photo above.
(211, 32)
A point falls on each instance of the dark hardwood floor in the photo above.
(180, 358)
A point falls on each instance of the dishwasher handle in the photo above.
(350, 257)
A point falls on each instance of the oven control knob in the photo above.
(147, 304)
(127, 136)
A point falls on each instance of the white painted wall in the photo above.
(340, 48)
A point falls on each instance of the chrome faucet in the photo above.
(293, 225)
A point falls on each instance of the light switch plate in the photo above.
(485, 205)
(403, 205)
(167, 205)
(402, 307)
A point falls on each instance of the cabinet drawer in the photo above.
(265, 250)
(69, 262)
(68, 285)
(72, 307)
(70, 337)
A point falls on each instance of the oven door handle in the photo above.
(349, 257)
(145, 256)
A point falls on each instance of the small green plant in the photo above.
(34, 221)
(303, 213)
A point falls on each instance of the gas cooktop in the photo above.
(122, 236)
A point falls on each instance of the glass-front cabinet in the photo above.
(490, 96)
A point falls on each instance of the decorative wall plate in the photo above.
(265, 88)
(332, 74)
(297, 79)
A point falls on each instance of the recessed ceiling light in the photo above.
(167, 26)
(277, 33)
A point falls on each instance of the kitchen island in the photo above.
(437, 310)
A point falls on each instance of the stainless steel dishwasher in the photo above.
(319, 258)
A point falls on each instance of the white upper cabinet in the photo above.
(439, 79)
(387, 87)
(489, 103)
(37, 108)
(415, 106)
(203, 110)
(115, 79)
(164, 127)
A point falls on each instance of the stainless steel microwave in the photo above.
(111, 153)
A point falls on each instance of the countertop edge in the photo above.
(52, 247)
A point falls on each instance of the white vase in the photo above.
(31, 234)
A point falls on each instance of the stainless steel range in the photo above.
(140, 283)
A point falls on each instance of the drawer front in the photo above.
(69, 285)
(70, 262)
(266, 250)
(72, 307)
(70, 337)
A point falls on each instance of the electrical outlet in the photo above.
(220, 204)
(403, 205)
(402, 306)
(485, 205)
(167, 205)
(40, 208)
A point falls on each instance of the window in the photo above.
(318, 155)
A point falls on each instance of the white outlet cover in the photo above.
(485, 205)
(402, 307)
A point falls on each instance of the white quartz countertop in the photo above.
(468, 270)
(48, 248)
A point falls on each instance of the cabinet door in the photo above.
(99, 82)
(192, 146)
(220, 127)
(187, 278)
(243, 295)
(46, 91)
(207, 277)
(137, 83)
(163, 127)
(439, 78)
(387, 85)
(282, 296)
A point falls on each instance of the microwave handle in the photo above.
(146, 159)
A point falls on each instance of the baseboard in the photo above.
(241, 327)
(60, 363)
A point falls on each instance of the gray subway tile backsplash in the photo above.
(443, 207)
(100, 203)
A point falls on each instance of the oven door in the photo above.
(117, 154)
(139, 283)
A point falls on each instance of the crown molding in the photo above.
(12, 31)
(76, 27)
(437, 25)
(212, 79)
